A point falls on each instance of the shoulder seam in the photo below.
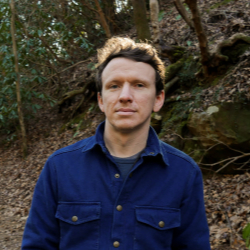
(191, 161)
(62, 151)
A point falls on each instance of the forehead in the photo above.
(126, 68)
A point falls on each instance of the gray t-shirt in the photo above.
(126, 164)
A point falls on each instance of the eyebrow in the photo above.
(139, 80)
(114, 80)
(133, 81)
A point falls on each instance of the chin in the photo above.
(127, 127)
(124, 128)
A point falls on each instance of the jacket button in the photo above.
(116, 244)
(117, 176)
(119, 208)
(161, 224)
(74, 218)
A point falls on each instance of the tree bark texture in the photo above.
(103, 19)
(140, 19)
(109, 11)
(19, 102)
(154, 12)
(181, 9)
(203, 43)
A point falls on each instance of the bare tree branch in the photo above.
(103, 19)
(179, 6)
(19, 102)
(154, 13)
(227, 161)
(203, 43)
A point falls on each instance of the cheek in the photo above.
(148, 101)
(108, 104)
(110, 101)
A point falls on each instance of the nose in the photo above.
(126, 93)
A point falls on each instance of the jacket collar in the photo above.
(154, 146)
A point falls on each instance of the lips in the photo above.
(125, 111)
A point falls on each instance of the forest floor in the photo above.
(227, 197)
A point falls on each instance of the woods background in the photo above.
(48, 95)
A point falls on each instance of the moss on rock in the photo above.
(172, 70)
(235, 51)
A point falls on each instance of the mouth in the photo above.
(125, 111)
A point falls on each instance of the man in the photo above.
(122, 188)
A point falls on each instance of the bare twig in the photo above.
(235, 150)
(227, 161)
(244, 164)
(231, 160)
(68, 68)
(207, 151)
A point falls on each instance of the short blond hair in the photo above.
(127, 48)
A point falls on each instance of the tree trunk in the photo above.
(203, 43)
(140, 19)
(19, 103)
(109, 11)
(103, 19)
(179, 6)
(154, 12)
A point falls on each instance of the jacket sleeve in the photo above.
(42, 229)
(193, 234)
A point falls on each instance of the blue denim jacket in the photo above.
(80, 202)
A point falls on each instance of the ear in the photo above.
(159, 101)
(100, 102)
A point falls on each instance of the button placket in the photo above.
(118, 216)
(118, 225)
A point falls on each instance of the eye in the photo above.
(139, 85)
(113, 86)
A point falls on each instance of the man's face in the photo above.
(129, 95)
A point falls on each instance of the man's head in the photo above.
(129, 84)
(127, 48)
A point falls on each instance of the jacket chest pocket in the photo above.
(79, 225)
(154, 227)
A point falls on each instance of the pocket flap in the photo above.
(158, 217)
(77, 213)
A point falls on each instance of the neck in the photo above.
(122, 144)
